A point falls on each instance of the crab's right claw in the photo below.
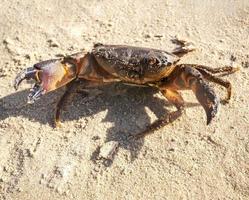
(190, 78)
(207, 98)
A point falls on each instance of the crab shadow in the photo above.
(126, 110)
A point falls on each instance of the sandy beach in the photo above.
(184, 160)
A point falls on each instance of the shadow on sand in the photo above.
(126, 110)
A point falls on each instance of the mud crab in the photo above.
(106, 64)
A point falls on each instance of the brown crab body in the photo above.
(133, 65)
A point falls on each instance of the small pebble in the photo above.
(233, 58)
(247, 147)
(110, 24)
(53, 43)
(27, 56)
(108, 149)
(245, 64)
(8, 41)
(147, 36)
(95, 138)
(158, 36)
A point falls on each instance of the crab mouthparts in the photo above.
(35, 93)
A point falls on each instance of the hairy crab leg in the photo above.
(224, 70)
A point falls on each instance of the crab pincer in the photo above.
(48, 76)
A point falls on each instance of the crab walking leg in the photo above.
(225, 70)
(71, 89)
(176, 99)
(183, 48)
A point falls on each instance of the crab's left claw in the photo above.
(48, 75)
(29, 73)
(35, 93)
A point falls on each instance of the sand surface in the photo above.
(185, 160)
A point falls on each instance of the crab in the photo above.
(106, 64)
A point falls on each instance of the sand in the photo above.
(184, 160)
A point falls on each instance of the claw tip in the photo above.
(211, 113)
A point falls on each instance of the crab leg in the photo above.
(225, 70)
(184, 77)
(176, 99)
(183, 48)
(71, 89)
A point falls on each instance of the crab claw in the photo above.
(35, 93)
(208, 99)
(48, 76)
(27, 74)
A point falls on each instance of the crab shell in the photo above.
(135, 64)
